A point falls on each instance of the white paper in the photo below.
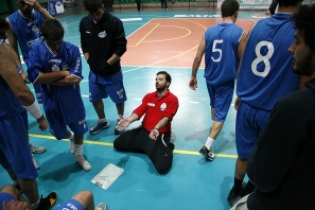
(107, 176)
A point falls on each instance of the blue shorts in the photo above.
(70, 204)
(60, 130)
(14, 146)
(250, 122)
(220, 99)
(5, 197)
(103, 86)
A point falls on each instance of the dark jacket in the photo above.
(282, 165)
(101, 41)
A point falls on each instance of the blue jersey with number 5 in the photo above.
(221, 55)
(266, 69)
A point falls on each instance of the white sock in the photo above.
(35, 205)
(102, 120)
(78, 149)
(71, 136)
(100, 206)
(209, 143)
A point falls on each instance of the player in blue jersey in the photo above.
(15, 156)
(103, 42)
(24, 30)
(265, 77)
(281, 163)
(56, 65)
(222, 45)
(10, 199)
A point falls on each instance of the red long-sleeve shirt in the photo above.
(156, 108)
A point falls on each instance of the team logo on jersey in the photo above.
(54, 60)
(34, 29)
(31, 23)
(102, 34)
(34, 40)
(163, 106)
(55, 68)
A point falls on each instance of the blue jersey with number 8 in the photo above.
(266, 69)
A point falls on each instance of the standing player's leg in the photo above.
(246, 134)
(79, 129)
(220, 102)
(37, 149)
(117, 93)
(97, 93)
(18, 157)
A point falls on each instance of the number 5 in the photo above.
(215, 49)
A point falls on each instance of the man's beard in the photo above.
(304, 67)
(161, 88)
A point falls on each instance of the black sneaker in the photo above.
(233, 196)
(205, 152)
(48, 202)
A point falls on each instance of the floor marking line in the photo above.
(183, 152)
(157, 25)
(138, 29)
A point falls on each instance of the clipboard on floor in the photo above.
(107, 176)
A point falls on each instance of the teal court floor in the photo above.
(192, 183)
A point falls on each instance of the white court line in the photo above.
(139, 28)
(251, 18)
(130, 19)
(85, 96)
(194, 102)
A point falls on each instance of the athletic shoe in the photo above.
(35, 163)
(71, 139)
(85, 165)
(233, 196)
(37, 149)
(48, 202)
(118, 129)
(99, 127)
(100, 206)
(205, 152)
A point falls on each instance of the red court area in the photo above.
(170, 42)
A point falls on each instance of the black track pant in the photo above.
(138, 140)
(164, 4)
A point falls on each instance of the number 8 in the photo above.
(264, 58)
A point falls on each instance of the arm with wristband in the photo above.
(10, 75)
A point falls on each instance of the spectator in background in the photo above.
(272, 8)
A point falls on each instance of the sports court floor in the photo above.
(157, 40)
